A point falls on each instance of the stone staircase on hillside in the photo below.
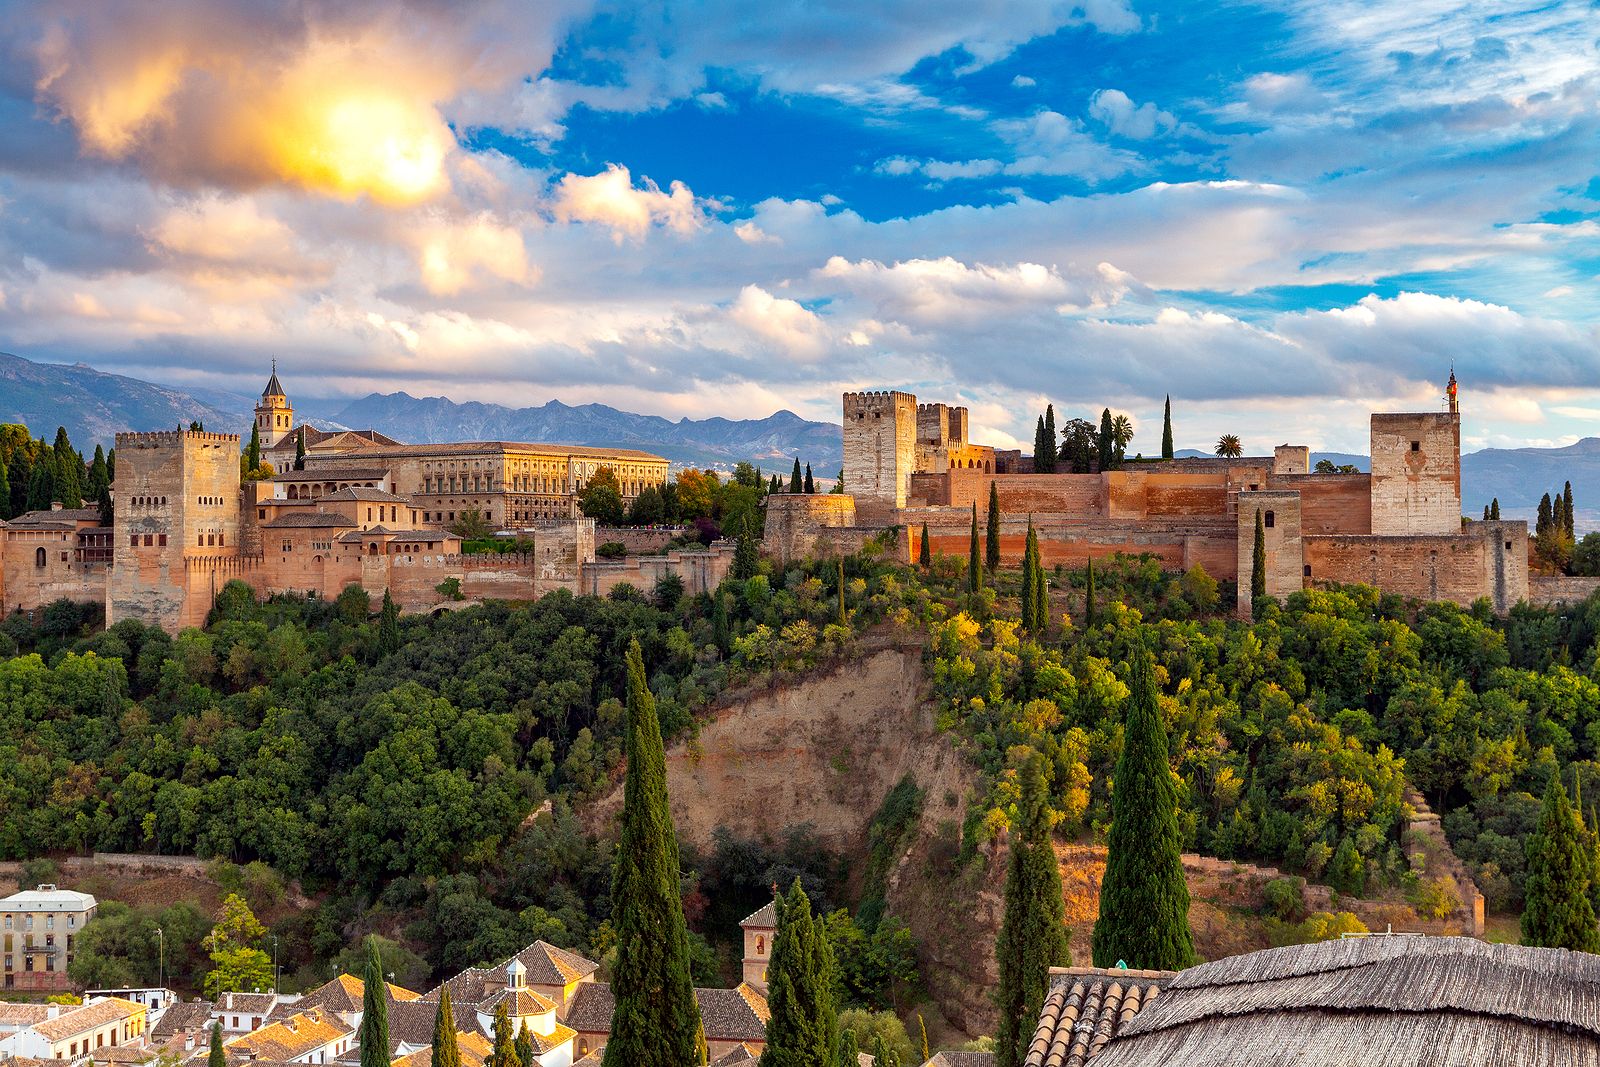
(1425, 832)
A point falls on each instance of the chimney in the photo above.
(52, 1011)
(230, 1001)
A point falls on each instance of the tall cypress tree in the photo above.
(1566, 508)
(1557, 912)
(374, 1037)
(1144, 901)
(388, 626)
(5, 492)
(1494, 509)
(746, 554)
(445, 1052)
(803, 1030)
(300, 450)
(1027, 587)
(1052, 452)
(1486, 513)
(991, 531)
(1033, 930)
(656, 1016)
(796, 481)
(1088, 593)
(924, 553)
(1041, 448)
(809, 484)
(505, 1042)
(524, 1046)
(882, 1054)
(217, 1057)
(42, 486)
(252, 451)
(849, 1050)
(1541, 524)
(21, 482)
(69, 471)
(1166, 429)
(844, 619)
(1258, 570)
(1039, 600)
(1104, 446)
(974, 560)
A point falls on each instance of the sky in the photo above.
(1283, 215)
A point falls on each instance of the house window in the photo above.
(1271, 520)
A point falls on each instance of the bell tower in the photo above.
(274, 416)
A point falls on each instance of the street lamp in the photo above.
(161, 959)
(274, 964)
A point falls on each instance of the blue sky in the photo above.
(1286, 215)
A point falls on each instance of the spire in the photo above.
(1450, 391)
(273, 388)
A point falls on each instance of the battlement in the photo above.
(883, 400)
(168, 438)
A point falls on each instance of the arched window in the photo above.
(761, 944)
(372, 549)
(39, 558)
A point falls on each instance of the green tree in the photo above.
(1033, 930)
(924, 553)
(69, 471)
(1557, 912)
(388, 626)
(99, 488)
(1088, 592)
(1566, 508)
(809, 485)
(1258, 569)
(1144, 901)
(746, 553)
(217, 1058)
(42, 484)
(236, 964)
(721, 633)
(300, 450)
(803, 1030)
(505, 1042)
(5, 492)
(446, 1052)
(1228, 446)
(647, 508)
(525, 1046)
(1166, 429)
(1121, 437)
(602, 503)
(974, 560)
(656, 1016)
(844, 618)
(374, 1035)
(883, 1054)
(1041, 448)
(849, 1051)
(1494, 509)
(991, 532)
(796, 480)
(1078, 446)
(1050, 451)
(1546, 514)
(1104, 446)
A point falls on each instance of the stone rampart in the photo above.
(803, 525)
(639, 540)
(1330, 503)
(1484, 559)
(1564, 589)
(700, 570)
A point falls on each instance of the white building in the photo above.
(70, 1031)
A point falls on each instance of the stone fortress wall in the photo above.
(1399, 528)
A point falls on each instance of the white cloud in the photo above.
(788, 325)
(1022, 81)
(1051, 143)
(610, 199)
(1119, 114)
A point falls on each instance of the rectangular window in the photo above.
(148, 540)
(161, 541)
(1416, 446)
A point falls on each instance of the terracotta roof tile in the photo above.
(186, 1016)
(475, 1050)
(1085, 1008)
(87, 1017)
(291, 1038)
(311, 520)
(745, 1052)
(764, 918)
(738, 1014)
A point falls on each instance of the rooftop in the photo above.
(52, 517)
(546, 965)
(308, 520)
(468, 448)
(475, 1050)
(334, 474)
(293, 1037)
(47, 897)
(763, 918)
(183, 1017)
(1085, 1008)
(738, 1014)
(1392, 1000)
(78, 1020)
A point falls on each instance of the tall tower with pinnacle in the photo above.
(274, 416)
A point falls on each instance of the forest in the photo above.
(391, 768)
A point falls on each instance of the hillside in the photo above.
(95, 406)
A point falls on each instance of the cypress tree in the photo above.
(849, 1050)
(1258, 570)
(42, 486)
(1033, 930)
(922, 1028)
(991, 532)
(388, 626)
(882, 1054)
(1558, 912)
(1166, 429)
(99, 476)
(844, 619)
(1050, 449)
(217, 1057)
(1486, 513)
(924, 554)
(702, 1049)
(1105, 449)
(1542, 523)
(446, 1052)
(5, 492)
(252, 451)
(656, 1015)
(1144, 901)
(1041, 595)
(796, 482)
(803, 1030)
(21, 482)
(1027, 587)
(505, 1044)
(374, 1036)
(719, 622)
(300, 450)
(746, 554)
(69, 471)
(1040, 447)
(524, 1046)
(1494, 509)
(810, 486)
(1088, 594)
(974, 561)
(1566, 507)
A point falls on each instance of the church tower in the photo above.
(274, 416)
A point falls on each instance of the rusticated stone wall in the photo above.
(1416, 473)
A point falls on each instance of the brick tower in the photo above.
(274, 416)
(880, 450)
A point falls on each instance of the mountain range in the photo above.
(93, 406)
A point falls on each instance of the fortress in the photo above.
(1399, 528)
(358, 509)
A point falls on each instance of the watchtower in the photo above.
(274, 416)
(177, 495)
(880, 450)
(1416, 473)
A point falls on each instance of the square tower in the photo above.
(1280, 541)
(177, 496)
(1416, 473)
(933, 425)
(880, 450)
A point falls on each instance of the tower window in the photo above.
(1308, 570)
(1416, 446)
(39, 558)
(1270, 520)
